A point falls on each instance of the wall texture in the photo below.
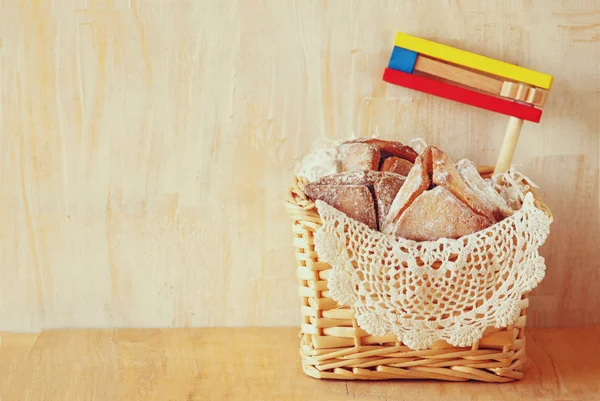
(146, 147)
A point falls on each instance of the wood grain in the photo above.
(459, 75)
(146, 146)
(258, 364)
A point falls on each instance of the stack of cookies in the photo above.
(389, 187)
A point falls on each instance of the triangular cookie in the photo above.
(445, 175)
(385, 189)
(383, 185)
(416, 183)
(438, 214)
(390, 148)
(484, 191)
(358, 156)
(396, 165)
(356, 201)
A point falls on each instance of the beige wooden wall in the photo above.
(146, 146)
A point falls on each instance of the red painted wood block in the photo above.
(462, 95)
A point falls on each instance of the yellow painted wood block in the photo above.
(474, 61)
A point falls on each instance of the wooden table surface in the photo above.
(256, 364)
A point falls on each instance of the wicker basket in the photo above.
(332, 345)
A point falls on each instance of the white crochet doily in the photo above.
(449, 289)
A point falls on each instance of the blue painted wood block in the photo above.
(403, 60)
